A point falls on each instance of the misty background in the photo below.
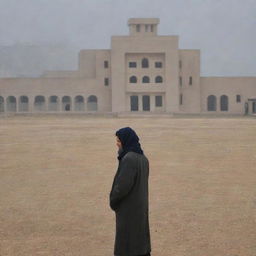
(40, 35)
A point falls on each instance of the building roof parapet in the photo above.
(134, 21)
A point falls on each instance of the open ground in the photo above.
(56, 173)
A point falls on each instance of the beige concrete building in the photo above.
(142, 72)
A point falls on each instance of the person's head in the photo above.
(127, 140)
(126, 137)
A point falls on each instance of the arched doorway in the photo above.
(66, 103)
(53, 103)
(254, 107)
(92, 103)
(11, 104)
(211, 103)
(79, 103)
(39, 103)
(224, 103)
(23, 104)
(1, 104)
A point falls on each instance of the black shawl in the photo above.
(129, 140)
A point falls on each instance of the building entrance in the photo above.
(67, 107)
(134, 103)
(146, 103)
(254, 107)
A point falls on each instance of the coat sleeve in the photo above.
(123, 182)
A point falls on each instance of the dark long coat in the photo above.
(129, 199)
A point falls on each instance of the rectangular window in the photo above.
(134, 103)
(180, 64)
(106, 81)
(190, 80)
(132, 64)
(158, 64)
(180, 81)
(138, 28)
(105, 64)
(238, 98)
(152, 28)
(181, 99)
(159, 101)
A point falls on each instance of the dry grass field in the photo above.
(56, 173)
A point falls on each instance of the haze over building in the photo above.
(141, 72)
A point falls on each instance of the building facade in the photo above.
(142, 72)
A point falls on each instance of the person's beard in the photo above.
(120, 150)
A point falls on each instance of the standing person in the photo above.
(129, 197)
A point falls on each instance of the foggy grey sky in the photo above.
(224, 30)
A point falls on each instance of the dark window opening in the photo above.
(132, 64)
(67, 107)
(190, 80)
(180, 64)
(146, 103)
(134, 103)
(158, 64)
(211, 103)
(39, 99)
(180, 81)
(181, 99)
(159, 101)
(24, 99)
(23, 103)
(53, 99)
(1, 104)
(138, 28)
(145, 63)
(106, 81)
(253, 107)
(224, 103)
(105, 64)
(145, 79)
(238, 98)
(79, 99)
(133, 79)
(159, 79)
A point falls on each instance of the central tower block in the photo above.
(143, 27)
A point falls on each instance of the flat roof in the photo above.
(149, 21)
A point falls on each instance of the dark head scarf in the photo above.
(129, 140)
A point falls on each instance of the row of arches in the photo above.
(54, 103)
(145, 79)
(212, 103)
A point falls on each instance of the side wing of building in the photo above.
(230, 95)
(87, 89)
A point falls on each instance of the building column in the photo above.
(140, 102)
(17, 104)
(129, 103)
(5, 104)
(30, 104)
(71, 104)
(47, 100)
(152, 103)
(59, 104)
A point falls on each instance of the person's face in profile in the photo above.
(118, 143)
